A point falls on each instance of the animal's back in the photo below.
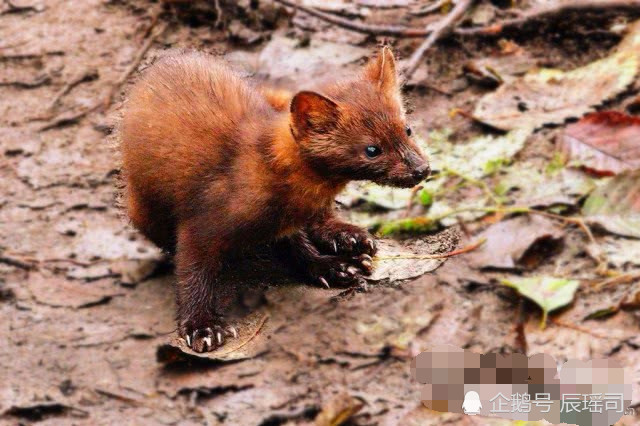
(181, 121)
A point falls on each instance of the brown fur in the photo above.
(214, 165)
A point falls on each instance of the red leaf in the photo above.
(604, 143)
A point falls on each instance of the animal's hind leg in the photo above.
(152, 219)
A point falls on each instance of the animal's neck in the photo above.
(289, 163)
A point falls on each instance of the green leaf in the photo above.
(481, 156)
(556, 164)
(547, 292)
(425, 197)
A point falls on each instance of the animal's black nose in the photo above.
(421, 172)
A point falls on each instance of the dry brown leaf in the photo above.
(511, 243)
(605, 143)
(550, 96)
(242, 347)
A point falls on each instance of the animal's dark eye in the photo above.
(408, 130)
(372, 151)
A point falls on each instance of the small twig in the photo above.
(378, 30)
(82, 78)
(431, 8)
(552, 9)
(136, 61)
(620, 279)
(28, 262)
(457, 252)
(19, 9)
(520, 340)
(477, 182)
(18, 263)
(39, 81)
(492, 29)
(412, 196)
(69, 118)
(103, 105)
(442, 28)
(216, 4)
(559, 322)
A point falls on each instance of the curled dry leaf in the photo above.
(338, 410)
(615, 206)
(550, 96)
(604, 143)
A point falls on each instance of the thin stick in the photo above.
(477, 182)
(441, 29)
(457, 252)
(378, 30)
(430, 8)
(76, 116)
(407, 32)
(620, 279)
(544, 11)
(136, 61)
(86, 76)
(561, 323)
(414, 191)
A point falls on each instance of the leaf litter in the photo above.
(605, 143)
(615, 205)
(320, 351)
(550, 96)
(547, 292)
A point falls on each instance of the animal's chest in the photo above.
(295, 211)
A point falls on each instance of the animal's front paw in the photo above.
(334, 271)
(343, 239)
(205, 336)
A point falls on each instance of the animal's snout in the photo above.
(421, 171)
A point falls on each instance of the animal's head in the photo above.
(357, 130)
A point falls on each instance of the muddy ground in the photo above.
(86, 305)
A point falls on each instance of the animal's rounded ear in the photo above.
(312, 112)
(381, 70)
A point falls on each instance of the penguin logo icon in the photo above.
(471, 404)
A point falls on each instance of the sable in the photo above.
(215, 165)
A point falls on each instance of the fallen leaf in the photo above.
(632, 301)
(246, 345)
(615, 206)
(508, 241)
(397, 260)
(547, 292)
(381, 196)
(550, 96)
(619, 252)
(284, 58)
(477, 157)
(338, 410)
(104, 243)
(536, 188)
(605, 143)
(59, 292)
